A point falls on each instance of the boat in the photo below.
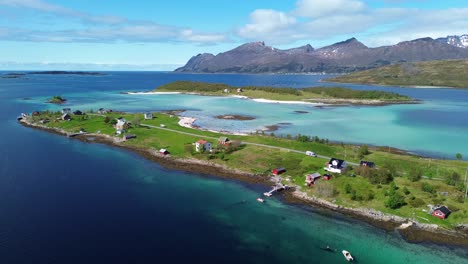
(260, 200)
(347, 255)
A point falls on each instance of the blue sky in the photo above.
(162, 35)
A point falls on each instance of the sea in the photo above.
(66, 201)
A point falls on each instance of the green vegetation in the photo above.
(402, 185)
(444, 73)
(57, 100)
(275, 93)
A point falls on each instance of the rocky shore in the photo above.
(410, 230)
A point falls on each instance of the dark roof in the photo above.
(130, 136)
(339, 163)
(369, 164)
(280, 169)
(444, 210)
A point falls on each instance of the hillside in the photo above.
(342, 57)
(446, 73)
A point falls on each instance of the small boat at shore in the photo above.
(260, 200)
(347, 255)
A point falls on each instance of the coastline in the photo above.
(319, 102)
(412, 231)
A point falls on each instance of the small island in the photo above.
(325, 95)
(57, 100)
(235, 117)
(67, 73)
(437, 74)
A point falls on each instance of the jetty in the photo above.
(277, 188)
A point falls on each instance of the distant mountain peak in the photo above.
(457, 41)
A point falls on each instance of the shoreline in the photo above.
(411, 231)
(319, 102)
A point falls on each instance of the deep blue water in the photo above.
(64, 201)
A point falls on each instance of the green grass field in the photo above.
(282, 94)
(444, 73)
(261, 160)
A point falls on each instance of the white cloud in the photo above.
(266, 24)
(102, 28)
(321, 8)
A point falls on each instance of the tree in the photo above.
(428, 188)
(348, 188)
(453, 179)
(395, 200)
(136, 121)
(459, 156)
(363, 151)
(107, 120)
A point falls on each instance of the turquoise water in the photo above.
(64, 201)
(432, 128)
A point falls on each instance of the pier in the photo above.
(277, 188)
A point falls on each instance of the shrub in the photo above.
(417, 202)
(348, 188)
(428, 188)
(395, 201)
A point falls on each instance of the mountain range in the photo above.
(346, 56)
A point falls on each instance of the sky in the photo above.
(164, 35)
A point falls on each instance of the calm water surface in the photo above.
(64, 201)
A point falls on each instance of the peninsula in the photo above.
(397, 192)
(327, 95)
(443, 73)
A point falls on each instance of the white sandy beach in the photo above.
(261, 100)
(186, 121)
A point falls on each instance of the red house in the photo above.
(278, 171)
(327, 177)
(441, 212)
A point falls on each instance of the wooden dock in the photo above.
(277, 188)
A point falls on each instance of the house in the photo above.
(148, 116)
(202, 145)
(327, 177)
(44, 121)
(441, 212)
(102, 111)
(35, 113)
(335, 165)
(66, 111)
(77, 112)
(226, 90)
(224, 141)
(278, 171)
(129, 136)
(368, 164)
(120, 131)
(164, 152)
(66, 117)
(121, 124)
(239, 90)
(82, 130)
(310, 178)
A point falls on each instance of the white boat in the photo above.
(347, 255)
(260, 200)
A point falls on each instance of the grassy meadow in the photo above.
(417, 181)
(443, 73)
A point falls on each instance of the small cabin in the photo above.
(335, 165)
(121, 124)
(327, 177)
(164, 152)
(78, 112)
(66, 117)
(368, 164)
(441, 212)
(278, 171)
(36, 113)
(311, 178)
(202, 145)
(66, 111)
(239, 90)
(102, 111)
(148, 116)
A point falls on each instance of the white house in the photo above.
(66, 111)
(201, 145)
(121, 124)
(335, 165)
(148, 116)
